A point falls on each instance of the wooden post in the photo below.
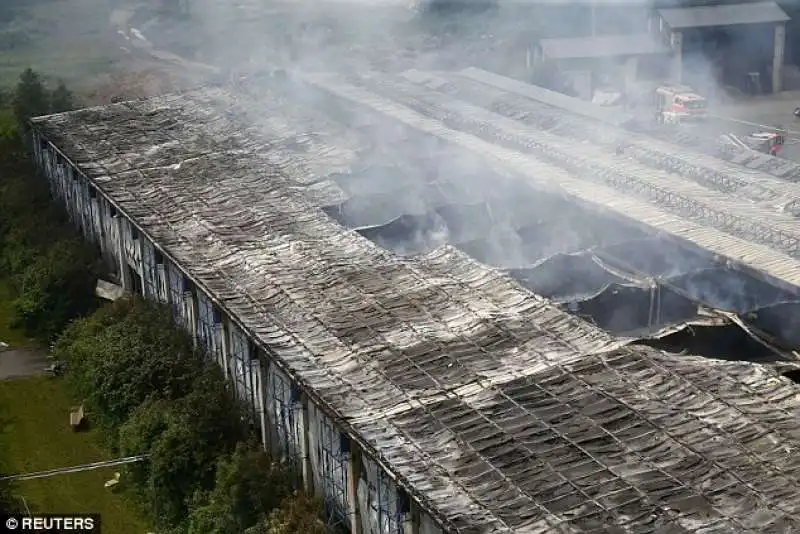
(266, 399)
(676, 42)
(162, 283)
(778, 57)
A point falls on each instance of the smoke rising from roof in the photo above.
(410, 192)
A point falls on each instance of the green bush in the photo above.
(54, 288)
(248, 486)
(125, 353)
(51, 270)
(296, 514)
(154, 394)
(184, 438)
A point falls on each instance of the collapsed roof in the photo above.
(529, 227)
(495, 409)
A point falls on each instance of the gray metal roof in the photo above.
(723, 15)
(498, 412)
(602, 46)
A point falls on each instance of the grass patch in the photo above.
(36, 436)
(13, 337)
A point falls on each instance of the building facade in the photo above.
(357, 492)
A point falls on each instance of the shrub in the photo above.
(54, 288)
(184, 438)
(156, 395)
(248, 486)
(298, 513)
(126, 353)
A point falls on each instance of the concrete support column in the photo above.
(676, 68)
(412, 520)
(189, 305)
(305, 450)
(224, 348)
(354, 467)
(162, 284)
(122, 262)
(266, 399)
(777, 58)
(97, 225)
(261, 377)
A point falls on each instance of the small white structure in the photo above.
(112, 482)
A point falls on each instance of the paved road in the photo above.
(15, 363)
(760, 113)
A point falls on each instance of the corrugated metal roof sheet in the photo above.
(723, 15)
(602, 46)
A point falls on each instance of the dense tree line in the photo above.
(146, 385)
(51, 270)
(152, 392)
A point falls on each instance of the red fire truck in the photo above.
(678, 103)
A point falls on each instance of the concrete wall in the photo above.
(356, 492)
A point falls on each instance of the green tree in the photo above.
(127, 353)
(55, 288)
(248, 486)
(184, 439)
(25, 239)
(12, 151)
(30, 98)
(62, 99)
(6, 98)
(298, 513)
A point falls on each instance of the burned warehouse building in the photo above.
(462, 303)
